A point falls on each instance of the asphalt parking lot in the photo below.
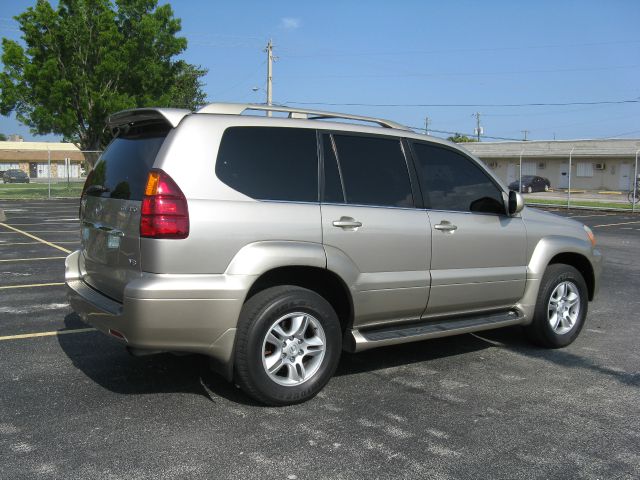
(75, 405)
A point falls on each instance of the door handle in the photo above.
(445, 226)
(347, 222)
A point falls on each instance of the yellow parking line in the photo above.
(36, 238)
(72, 230)
(614, 224)
(47, 334)
(2, 244)
(6, 287)
(30, 259)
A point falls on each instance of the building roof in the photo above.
(38, 146)
(555, 148)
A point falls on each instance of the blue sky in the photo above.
(423, 52)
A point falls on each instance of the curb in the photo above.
(2, 215)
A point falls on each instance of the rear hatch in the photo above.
(111, 203)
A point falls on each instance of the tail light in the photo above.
(164, 208)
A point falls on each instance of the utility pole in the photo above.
(525, 132)
(270, 60)
(478, 130)
(426, 125)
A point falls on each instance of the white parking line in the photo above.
(614, 224)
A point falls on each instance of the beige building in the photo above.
(34, 158)
(595, 164)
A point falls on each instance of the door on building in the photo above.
(563, 181)
(43, 170)
(33, 169)
(624, 180)
(511, 173)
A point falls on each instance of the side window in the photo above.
(451, 181)
(332, 183)
(270, 163)
(374, 171)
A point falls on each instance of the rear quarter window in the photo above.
(270, 163)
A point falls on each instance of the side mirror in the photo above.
(516, 202)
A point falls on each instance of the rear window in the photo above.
(270, 163)
(122, 170)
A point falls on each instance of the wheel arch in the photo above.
(324, 282)
(580, 263)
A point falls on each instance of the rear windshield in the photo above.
(122, 170)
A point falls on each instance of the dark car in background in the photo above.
(15, 176)
(531, 183)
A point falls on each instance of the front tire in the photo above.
(561, 307)
(288, 344)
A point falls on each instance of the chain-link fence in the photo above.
(610, 182)
(57, 171)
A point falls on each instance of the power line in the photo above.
(473, 73)
(422, 105)
(470, 135)
(458, 50)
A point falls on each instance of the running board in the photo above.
(425, 329)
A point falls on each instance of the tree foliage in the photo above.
(459, 138)
(89, 58)
(3, 137)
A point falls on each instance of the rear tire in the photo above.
(561, 307)
(288, 344)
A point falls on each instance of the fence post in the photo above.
(569, 189)
(635, 185)
(49, 169)
(520, 173)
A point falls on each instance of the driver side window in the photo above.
(451, 181)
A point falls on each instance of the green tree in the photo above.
(459, 138)
(90, 58)
(3, 137)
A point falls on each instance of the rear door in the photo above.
(478, 252)
(373, 234)
(110, 208)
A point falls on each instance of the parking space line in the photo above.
(615, 224)
(2, 244)
(594, 215)
(43, 231)
(35, 238)
(30, 259)
(33, 285)
(47, 334)
(52, 222)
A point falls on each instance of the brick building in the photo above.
(33, 158)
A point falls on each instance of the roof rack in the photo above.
(239, 108)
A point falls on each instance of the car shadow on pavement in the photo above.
(513, 339)
(107, 363)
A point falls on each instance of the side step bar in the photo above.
(425, 329)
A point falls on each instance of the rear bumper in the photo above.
(186, 313)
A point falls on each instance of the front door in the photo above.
(373, 235)
(511, 173)
(478, 253)
(33, 170)
(624, 182)
(563, 181)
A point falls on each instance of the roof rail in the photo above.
(239, 108)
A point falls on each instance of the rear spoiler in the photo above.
(172, 116)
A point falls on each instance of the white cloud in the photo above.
(290, 23)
